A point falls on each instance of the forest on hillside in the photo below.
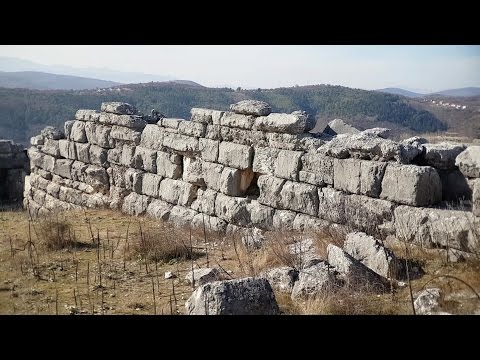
(23, 112)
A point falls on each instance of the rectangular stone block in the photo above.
(116, 175)
(264, 160)
(177, 192)
(119, 108)
(283, 219)
(232, 209)
(83, 152)
(67, 149)
(38, 159)
(51, 147)
(151, 184)
(212, 173)
(145, 159)
(331, 205)
(133, 180)
(87, 115)
(411, 185)
(242, 136)
(171, 123)
(67, 128)
(261, 215)
(152, 137)
(128, 156)
(235, 155)
(62, 168)
(183, 144)
(205, 201)
(317, 169)
(159, 209)
(126, 134)
(97, 177)
(294, 123)
(130, 121)
(181, 216)
(359, 176)
(114, 156)
(169, 165)
(270, 188)
(367, 214)
(288, 164)
(212, 132)
(208, 149)
(233, 120)
(78, 170)
(78, 133)
(299, 197)
(135, 204)
(206, 116)
(98, 155)
(191, 128)
(99, 135)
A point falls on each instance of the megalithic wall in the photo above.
(249, 167)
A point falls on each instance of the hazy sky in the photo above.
(427, 68)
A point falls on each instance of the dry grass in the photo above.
(55, 233)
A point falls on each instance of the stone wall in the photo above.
(248, 167)
(14, 166)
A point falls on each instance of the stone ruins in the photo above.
(14, 166)
(251, 168)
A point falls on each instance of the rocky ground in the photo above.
(309, 273)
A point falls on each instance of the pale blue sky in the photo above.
(419, 67)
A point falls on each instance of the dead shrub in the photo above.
(56, 233)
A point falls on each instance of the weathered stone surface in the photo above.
(442, 155)
(97, 177)
(253, 238)
(98, 155)
(294, 123)
(114, 156)
(191, 128)
(232, 209)
(261, 216)
(208, 149)
(181, 216)
(206, 116)
(476, 198)
(411, 185)
(205, 201)
(78, 171)
(116, 196)
(331, 205)
(211, 174)
(283, 219)
(192, 171)
(177, 192)
(127, 134)
(171, 123)
(438, 227)
(249, 296)
(241, 136)
(45, 174)
(99, 135)
(372, 254)
(282, 279)
(315, 281)
(67, 128)
(304, 252)
(355, 274)
(51, 147)
(230, 119)
(317, 169)
(212, 223)
(235, 182)
(151, 184)
(428, 301)
(82, 152)
(145, 159)
(270, 188)
(202, 276)
(128, 156)
(67, 149)
(251, 107)
(62, 168)
(186, 145)
(159, 209)
(299, 197)
(135, 204)
(36, 140)
(469, 162)
(130, 121)
(235, 155)
(212, 132)
(87, 115)
(369, 147)
(53, 133)
(265, 160)
(46, 162)
(358, 176)
(169, 165)
(118, 108)
(288, 164)
(367, 214)
(152, 137)
(338, 126)
(309, 223)
(380, 132)
(78, 133)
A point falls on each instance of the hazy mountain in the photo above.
(187, 82)
(45, 81)
(15, 64)
(402, 92)
(462, 92)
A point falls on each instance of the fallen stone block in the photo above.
(315, 281)
(281, 279)
(469, 162)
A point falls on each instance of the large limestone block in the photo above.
(83, 152)
(97, 177)
(317, 169)
(212, 174)
(235, 182)
(87, 115)
(99, 135)
(309, 223)
(331, 205)
(469, 162)
(249, 296)
(78, 133)
(191, 128)
(442, 155)
(213, 132)
(206, 116)
(171, 123)
(67, 149)
(230, 119)
(232, 209)
(181, 216)
(294, 123)
(159, 210)
(133, 180)
(62, 168)
(177, 192)
(38, 159)
(135, 204)
(315, 281)
(358, 176)
(265, 160)
(373, 254)
(282, 279)
(192, 171)
(119, 108)
(241, 136)
(251, 107)
(288, 164)
(128, 156)
(116, 175)
(338, 126)
(211, 223)
(283, 219)
(51, 147)
(67, 128)
(270, 188)
(235, 155)
(114, 156)
(411, 185)
(53, 133)
(78, 170)
(185, 145)
(208, 149)
(261, 216)
(169, 165)
(152, 137)
(126, 134)
(151, 184)
(205, 201)
(130, 121)
(98, 155)
(145, 159)
(299, 197)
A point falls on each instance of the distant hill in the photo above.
(402, 92)
(187, 82)
(46, 81)
(24, 112)
(462, 92)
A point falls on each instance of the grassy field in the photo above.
(105, 262)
